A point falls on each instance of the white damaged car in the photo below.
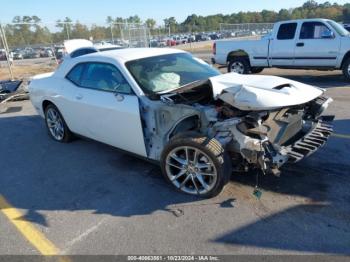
(168, 106)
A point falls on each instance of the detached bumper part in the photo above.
(312, 141)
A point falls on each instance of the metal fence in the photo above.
(20, 43)
(249, 29)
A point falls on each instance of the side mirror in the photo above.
(328, 34)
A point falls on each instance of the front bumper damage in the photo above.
(261, 153)
(312, 141)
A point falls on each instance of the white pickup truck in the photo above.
(297, 44)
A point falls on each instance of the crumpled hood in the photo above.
(255, 92)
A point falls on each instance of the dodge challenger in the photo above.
(174, 109)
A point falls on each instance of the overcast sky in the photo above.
(93, 11)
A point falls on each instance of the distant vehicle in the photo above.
(170, 42)
(59, 52)
(105, 46)
(206, 37)
(17, 55)
(46, 52)
(30, 53)
(214, 36)
(347, 27)
(191, 38)
(165, 105)
(298, 44)
(87, 48)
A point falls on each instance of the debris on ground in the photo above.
(12, 90)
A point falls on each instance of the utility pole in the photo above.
(66, 24)
(111, 25)
(7, 51)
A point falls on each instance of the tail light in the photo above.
(214, 49)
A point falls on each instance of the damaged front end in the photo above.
(263, 121)
(269, 139)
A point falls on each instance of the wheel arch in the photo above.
(45, 104)
(186, 124)
(237, 53)
(345, 57)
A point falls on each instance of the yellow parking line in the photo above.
(341, 136)
(35, 237)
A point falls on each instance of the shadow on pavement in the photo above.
(319, 224)
(38, 174)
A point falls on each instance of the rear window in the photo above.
(75, 74)
(287, 31)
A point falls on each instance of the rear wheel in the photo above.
(239, 65)
(346, 69)
(56, 125)
(196, 165)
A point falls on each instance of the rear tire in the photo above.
(346, 69)
(196, 165)
(56, 126)
(239, 65)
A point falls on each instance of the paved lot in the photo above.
(87, 198)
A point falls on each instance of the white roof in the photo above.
(304, 20)
(129, 54)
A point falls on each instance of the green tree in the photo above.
(151, 23)
(171, 23)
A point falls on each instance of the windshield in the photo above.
(166, 72)
(338, 28)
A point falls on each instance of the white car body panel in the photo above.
(256, 92)
(93, 113)
(100, 115)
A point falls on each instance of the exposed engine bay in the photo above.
(255, 137)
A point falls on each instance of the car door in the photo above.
(101, 105)
(317, 45)
(283, 45)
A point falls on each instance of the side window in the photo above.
(104, 77)
(75, 74)
(314, 30)
(287, 31)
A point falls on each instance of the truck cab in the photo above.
(299, 44)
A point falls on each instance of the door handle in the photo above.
(119, 97)
(79, 97)
(300, 44)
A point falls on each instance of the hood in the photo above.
(255, 92)
(74, 44)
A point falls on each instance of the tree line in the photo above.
(28, 30)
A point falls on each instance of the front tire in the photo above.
(56, 126)
(196, 165)
(346, 69)
(239, 65)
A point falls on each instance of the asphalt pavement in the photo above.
(88, 198)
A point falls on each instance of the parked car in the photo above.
(170, 42)
(165, 105)
(17, 55)
(298, 44)
(2, 56)
(347, 27)
(30, 53)
(46, 52)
